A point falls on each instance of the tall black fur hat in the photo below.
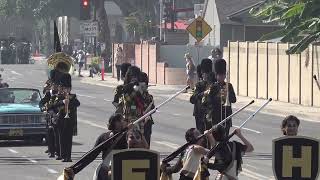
(133, 71)
(220, 66)
(199, 71)
(144, 78)
(124, 69)
(206, 65)
(65, 80)
(55, 76)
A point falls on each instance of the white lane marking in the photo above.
(14, 72)
(108, 100)
(260, 176)
(168, 144)
(13, 151)
(52, 171)
(249, 175)
(31, 160)
(91, 124)
(86, 96)
(252, 130)
(176, 114)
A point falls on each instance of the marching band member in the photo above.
(70, 103)
(196, 98)
(131, 104)
(115, 125)
(220, 96)
(45, 104)
(119, 89)
(194, 153)
(228, 155)
(148, 105)
(290, 125)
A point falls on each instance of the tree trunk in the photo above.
(104, 32)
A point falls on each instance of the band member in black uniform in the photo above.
(119, 89)
(199, 111)
(115, 125)
(228, 155)
(68, 115)
(220, 96)
(45, 104)
(148, 105)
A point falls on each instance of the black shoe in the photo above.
(51, 156)
(47, 151)
(59, 158)
(66, 160)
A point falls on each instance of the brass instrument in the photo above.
(66, 106)
(61, 62)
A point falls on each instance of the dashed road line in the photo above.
(14, 72)
(52, 171)
(82, 95)
(108, 100)
(29, 159)
(13, 151)
(176, 114)
(91, 124)
(168, 144)
(259, 176)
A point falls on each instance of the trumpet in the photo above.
(66, 106)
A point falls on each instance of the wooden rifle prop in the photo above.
(318, 83)
(182, 148)
(90, 156)
(212, 151)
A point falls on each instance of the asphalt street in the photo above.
(19, 160)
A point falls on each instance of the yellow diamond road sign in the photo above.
(199, 29)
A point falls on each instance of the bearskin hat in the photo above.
(206, 65)
(220, 66)
(199, 71)
(144, 78)
(55, 76)
(124, 69)
(65, 80)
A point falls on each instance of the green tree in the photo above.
(300, 20)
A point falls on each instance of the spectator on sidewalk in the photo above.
(119, 59)
(290, 125)
(190, 69)
(81, 59)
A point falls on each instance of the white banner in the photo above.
(89, 29)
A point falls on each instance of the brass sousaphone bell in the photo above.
(61, 62)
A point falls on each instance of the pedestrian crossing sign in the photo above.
(199, 29)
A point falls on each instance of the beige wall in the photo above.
(146, 56)
(264, 70)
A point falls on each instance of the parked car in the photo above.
(20, 115)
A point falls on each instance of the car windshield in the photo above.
(17, 96)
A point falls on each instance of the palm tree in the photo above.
(300, 20)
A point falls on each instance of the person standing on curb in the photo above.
(118, 61)
(190, 69)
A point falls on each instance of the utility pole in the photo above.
(172, 15)
(95, 19)
(161, 15)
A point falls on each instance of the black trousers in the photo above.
(148, 131)
(200, 123)
(51, 140)
(183, 177)
(57, 138)
(66, 141)
(118, 67)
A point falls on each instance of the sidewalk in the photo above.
(273, 108)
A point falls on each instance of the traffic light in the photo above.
(85, 10)
(199, 29)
